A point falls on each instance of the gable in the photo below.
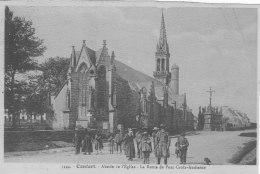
(87, 57)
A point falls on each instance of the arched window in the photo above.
(68, 98)
(101, 88)
(158, 65)
(163, 65)
(83, 83)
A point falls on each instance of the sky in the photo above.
(214, 47)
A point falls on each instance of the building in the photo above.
(222, 118)
(234, 119)
(101, 92)
(210, 118)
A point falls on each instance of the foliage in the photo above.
(21, 46)
(54, 73)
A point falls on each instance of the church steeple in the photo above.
(162, 45)
(162, 56)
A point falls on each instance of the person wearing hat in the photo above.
(162, 144)
(138, 137)
(155, 130)
(98, 143)
(111, 141)
(87, 147)
(183, 147)
(146, 147)
(77, 140)
(129, 145)
(177, 147)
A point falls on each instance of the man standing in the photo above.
(119, 140)
(77, 141)
(162, 144)
(183, 147)
(155, 130)
(138, 137)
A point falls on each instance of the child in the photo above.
(146, 147)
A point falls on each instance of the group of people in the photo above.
(159, 142)
(85, 140)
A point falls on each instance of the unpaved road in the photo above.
(219, 147)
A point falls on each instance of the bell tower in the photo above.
(162, 56)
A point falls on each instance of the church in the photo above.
(101, 92)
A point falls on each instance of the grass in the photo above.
(248, 147)
(248, 134)
(34, 146)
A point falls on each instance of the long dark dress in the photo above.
(87, 144)
(129, 144)
(77, 142)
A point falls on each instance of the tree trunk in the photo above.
(41, 118)
(12, 110)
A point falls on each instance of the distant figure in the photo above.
(87, 147)
(77, 141)
(138, 137)
(111, 143)
(119, 141)
(155, 130)
(146, 147)
(183, 146)
(177, 149)
(98, 143)
(162, 144)
(129, 145)
(207, 161)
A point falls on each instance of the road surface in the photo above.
(219, 147)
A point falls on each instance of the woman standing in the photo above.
(87, 143)
(129, 145)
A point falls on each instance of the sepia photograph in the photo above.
(152, 85)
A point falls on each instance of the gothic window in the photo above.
(82, 90)
(144, 106)
(91, 97)
(158, 65)
(163, 65)
(68, 98)
(101, 88)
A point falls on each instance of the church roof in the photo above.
(137, 80)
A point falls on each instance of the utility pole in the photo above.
(210, 96)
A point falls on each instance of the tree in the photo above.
(50, 80)
(54, 73)
(21, 45)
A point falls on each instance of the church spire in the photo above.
(162, 44)
(162, 56)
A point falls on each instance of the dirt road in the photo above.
(219, 147)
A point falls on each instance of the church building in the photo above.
(101, 92)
